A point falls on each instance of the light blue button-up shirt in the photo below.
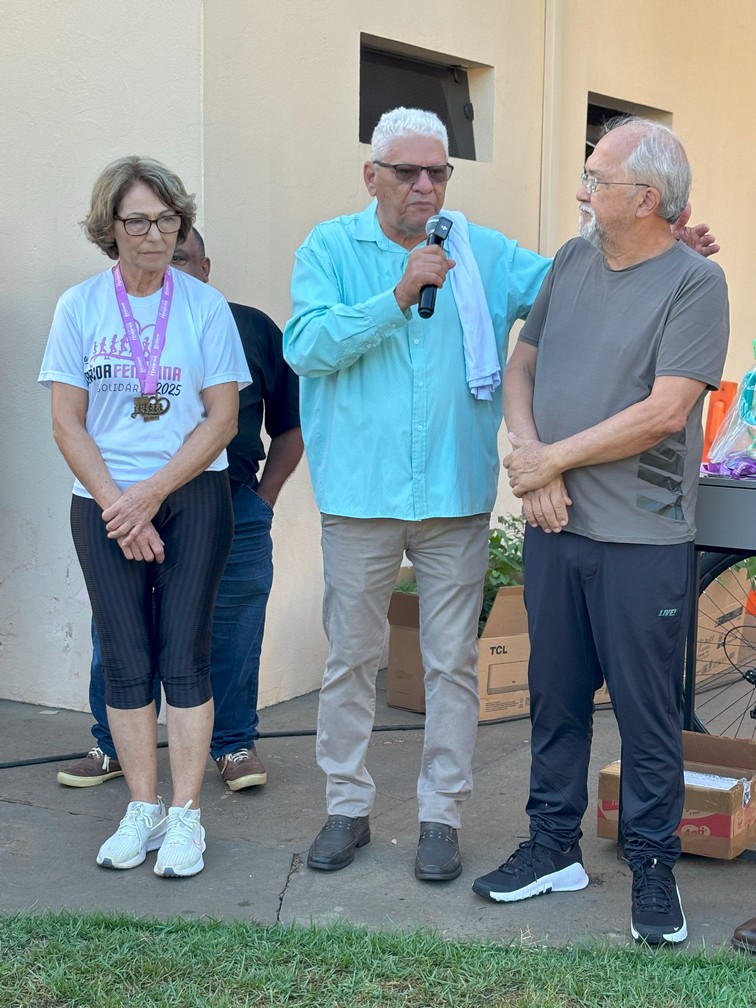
(390, 426)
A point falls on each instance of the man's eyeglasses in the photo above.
(137, 226)
(592, 183)
(410, 173)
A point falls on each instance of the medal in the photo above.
(150, 407)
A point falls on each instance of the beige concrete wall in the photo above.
(83, 82)
(693, 59)
(256, 106)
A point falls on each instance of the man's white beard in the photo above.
(590, 229)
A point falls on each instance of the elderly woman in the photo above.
(145, 365)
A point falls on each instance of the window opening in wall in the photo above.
(601, 109)
(388, 80)
(598, 115)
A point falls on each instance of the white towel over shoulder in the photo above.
(478, 339)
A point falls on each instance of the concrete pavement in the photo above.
(257, 840)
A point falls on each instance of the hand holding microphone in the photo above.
(437, 229)
(426, 269)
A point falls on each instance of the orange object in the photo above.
(719, 402)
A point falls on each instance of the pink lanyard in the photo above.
(147, 373)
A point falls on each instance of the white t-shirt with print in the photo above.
(88, 348)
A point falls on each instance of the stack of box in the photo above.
(719, 819)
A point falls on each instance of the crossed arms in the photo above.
(536, 469)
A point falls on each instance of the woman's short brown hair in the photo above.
(113, 184)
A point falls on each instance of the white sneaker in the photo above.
(181, 851)
(142, 829)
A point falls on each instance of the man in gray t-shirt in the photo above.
(603, 400)
(601, 346)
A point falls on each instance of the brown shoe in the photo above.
(95, 768)
(745, 936)
(242, 769)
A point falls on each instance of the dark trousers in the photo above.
(613, 612)
(237, 635)
(154, 619)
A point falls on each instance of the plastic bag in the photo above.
(733, 451)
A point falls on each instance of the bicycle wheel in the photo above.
(726, 654)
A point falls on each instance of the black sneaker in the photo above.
(657, 912)
(531, 870)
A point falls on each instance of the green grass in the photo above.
(67, 960)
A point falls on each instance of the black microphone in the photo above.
(437, 228)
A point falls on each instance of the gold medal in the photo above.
(150, 407)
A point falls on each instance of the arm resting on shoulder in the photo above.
(698, 237)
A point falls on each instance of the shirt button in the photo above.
(420, 384)
(419, 426)
(415, 341)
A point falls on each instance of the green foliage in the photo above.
(504, 563)
(71, 960)
(750, 566)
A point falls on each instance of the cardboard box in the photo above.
(503, 652)
(745, 654)
(721, 625)
(718, 823)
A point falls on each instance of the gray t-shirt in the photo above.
(603, 337)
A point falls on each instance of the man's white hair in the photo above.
(659, 160)
(402, 122)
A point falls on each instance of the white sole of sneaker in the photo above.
(659, 938)
(152, 845)
(169, 872)
(570, 879)
(186, 871)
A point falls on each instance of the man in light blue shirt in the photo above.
(393, 429)
(403, 457)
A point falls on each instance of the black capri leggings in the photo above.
(155, 619)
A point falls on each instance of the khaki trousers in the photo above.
(361, 559)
